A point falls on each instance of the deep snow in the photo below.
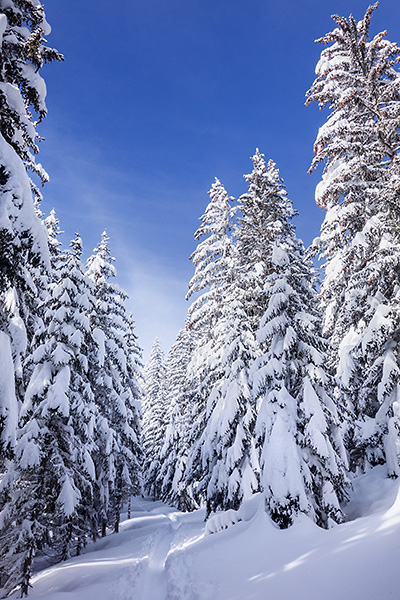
(163, 554)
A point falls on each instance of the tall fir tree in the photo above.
(154, 419)
(23, 246)
(222, 465)
(212, 261)
(173, 453)
(358, 79)
(297, 429)
(117, 420)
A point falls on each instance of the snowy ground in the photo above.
(162, 554)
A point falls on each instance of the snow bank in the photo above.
(223, 520)
(8, 401)
(162, 554)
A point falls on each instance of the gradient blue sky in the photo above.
(154, 100)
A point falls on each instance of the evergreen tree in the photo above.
(116, 440)
(297, 428)
(154, 419)
(22, 238)
(358, 78)
(212, 259)
(173, 452)
(222, 466)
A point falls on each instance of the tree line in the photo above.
(276, 385)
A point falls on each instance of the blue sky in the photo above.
(154, 100)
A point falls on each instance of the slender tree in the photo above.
(23, 246)
(222, 464)
(358, 78)
(212, 261)
(297, 429)
(116, 439)
(154, 419)
(173, 453)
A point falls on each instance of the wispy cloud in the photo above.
(156, 298)
(150, 248)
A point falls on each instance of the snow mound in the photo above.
(223, 520)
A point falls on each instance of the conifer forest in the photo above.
(283, 386)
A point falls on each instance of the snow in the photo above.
(99, 337)
(37, 82)
(14, 98)
(346, 364)
(17, 201)
(332, 173)
(162, 554)
(41, 379)
(57, 398)
(8, 401)
(69, 496)
(16, 326)
(279, 256)
(381, 321)
(3, 25)
(27, 450)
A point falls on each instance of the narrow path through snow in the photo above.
(155, 586)
(160, 532)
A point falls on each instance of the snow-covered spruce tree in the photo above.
(173, 453)
(212, 262)
(22, 238)
(116, 439)
(227, 443)
(358, 78)
(297, 428)
(48, 487)
(222, 466)
(134, 392)
(153, 419)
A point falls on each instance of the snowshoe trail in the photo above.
(155, 580)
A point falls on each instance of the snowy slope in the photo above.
(162, 554)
